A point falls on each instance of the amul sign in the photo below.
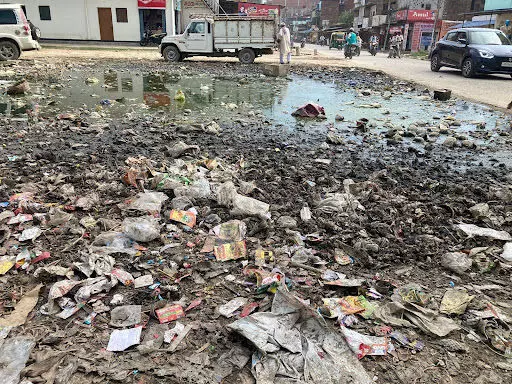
(415, 15)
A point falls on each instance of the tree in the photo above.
(346, 18)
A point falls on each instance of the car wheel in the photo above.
(435, 63)
(246, 56)
(8, 51)
(468, 69)
(172, 54)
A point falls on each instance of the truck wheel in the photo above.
(171, 53)
(246, 56)
(8, 51)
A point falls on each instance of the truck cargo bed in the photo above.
(242, 31)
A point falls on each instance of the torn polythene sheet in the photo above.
(290, 340)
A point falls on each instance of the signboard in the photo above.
(249, 9)
(395, 29)
(426, 40)
(151, 4)
(193, 4)
(413, 15)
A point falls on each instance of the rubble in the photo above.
(212, 239)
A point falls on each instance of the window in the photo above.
(122, 15)
(428, 6)
(452, 36)
(462, 35)
(7, 16)
(196, 27)
(44, 12)
(489, 38)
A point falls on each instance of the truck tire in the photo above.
(246, 56)
(172, 54)
(8, 51)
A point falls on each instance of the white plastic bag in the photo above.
(141, 229)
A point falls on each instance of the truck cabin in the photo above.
(198, 36)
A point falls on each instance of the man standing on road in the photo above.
(351, 41)
(283, 38)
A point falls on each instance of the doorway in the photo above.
(106, 26)
(152, 20)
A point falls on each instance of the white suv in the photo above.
(15, 33)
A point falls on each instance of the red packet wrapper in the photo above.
(185, 217)
(170, 313)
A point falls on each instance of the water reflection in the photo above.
(158, 90)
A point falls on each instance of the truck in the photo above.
(245, 37)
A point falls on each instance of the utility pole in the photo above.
(438, 11)
(389, 23)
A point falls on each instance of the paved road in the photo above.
(493, 89)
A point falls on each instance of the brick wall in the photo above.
(454, 9)
(330, 11)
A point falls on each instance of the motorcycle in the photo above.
(373, 48)
(350, 51)
(148, 38)
(394, 52)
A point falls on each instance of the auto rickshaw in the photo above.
(337, 40)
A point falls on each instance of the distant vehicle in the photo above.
(16, 34)
(474, 51)
(373, 48)
(151, 38)
(337, 40)
(245, 37)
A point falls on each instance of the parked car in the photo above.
(474, 51)
(15, 32)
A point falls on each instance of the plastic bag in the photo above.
(363, 345)
(113, 242)
(148, 202)
(14, 354)
(241, 205)
(198, 189)
(142, 229)
(456, 261)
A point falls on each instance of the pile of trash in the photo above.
(207, 260)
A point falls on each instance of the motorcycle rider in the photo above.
(373, 42)
(393, 47)
(351, 41)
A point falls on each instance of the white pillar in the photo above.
(169, 17)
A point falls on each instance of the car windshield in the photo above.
(489, 38)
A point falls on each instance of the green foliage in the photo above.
(346, 18)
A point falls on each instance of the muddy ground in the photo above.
(417, 175)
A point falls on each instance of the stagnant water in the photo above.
(116, 93)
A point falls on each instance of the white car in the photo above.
(15, 32)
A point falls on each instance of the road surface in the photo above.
(494, 90)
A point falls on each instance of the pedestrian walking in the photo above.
(283, 39)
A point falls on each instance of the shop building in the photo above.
(102, 20)
(417, 26)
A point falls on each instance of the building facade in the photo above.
(107, 20)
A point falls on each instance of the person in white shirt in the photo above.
(283, 39)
